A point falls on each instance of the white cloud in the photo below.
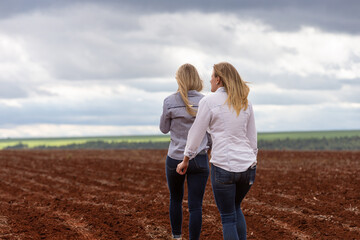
(92, 65)
(316, 52)
(72, 44)
(72, 130)
(304, 117)
(93, 103)
(19, 75)
(271, 94)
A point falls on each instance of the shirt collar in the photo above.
(192, 92)
(220, 89)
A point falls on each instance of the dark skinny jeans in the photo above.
(197, 175)
(229, 189)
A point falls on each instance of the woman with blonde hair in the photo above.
(179, 111)
(228, 116)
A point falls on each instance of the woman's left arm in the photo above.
(251, 131)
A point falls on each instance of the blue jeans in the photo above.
(197, 175)
(229, 190)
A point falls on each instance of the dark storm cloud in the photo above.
(330, 15)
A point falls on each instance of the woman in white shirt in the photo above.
(229, 118)
(179, 111)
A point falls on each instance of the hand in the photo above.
(182, 167)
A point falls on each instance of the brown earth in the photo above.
(122, 194)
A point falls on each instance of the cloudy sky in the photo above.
(97, 68)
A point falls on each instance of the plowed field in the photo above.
(122, 194)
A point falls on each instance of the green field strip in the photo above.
(268, 136)
(306, 135)
(56, 142)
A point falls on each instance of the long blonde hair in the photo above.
(188, 78)
(235, 87)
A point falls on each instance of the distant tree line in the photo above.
(100, 145)
(341, 143)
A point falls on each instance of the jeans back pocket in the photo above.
(201, 162)
(171, 164)
(222, 176)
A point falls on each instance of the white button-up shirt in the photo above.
(234, 138)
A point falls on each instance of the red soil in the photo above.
(122, 194)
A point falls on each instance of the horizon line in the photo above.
(164, 135)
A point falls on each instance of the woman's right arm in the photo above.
(198, 129)
(195, 136)
(165, 120)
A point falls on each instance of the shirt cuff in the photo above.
(189, 153)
